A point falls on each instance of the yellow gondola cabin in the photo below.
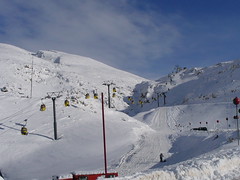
(42, 107)
(87, 96)
(140, 102)
(95, 96)
(24, 131)
(66, 103)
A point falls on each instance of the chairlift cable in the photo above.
(18, 122)
(16, 113)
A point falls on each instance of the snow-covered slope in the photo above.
(197, 97)
(57, 71)
(79, 126)
(146, 118)
(217, 83)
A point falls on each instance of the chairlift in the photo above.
(66, 103)
(114, 95)
(42, 107)
(114, 89)
(24, 130)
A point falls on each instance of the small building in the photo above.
(87, 176)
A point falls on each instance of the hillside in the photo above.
(215, 84)
(139, 124)
(79, 125)
(58, 71)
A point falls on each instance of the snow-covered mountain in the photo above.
(57, 71)
(218, 83)
(146, 118)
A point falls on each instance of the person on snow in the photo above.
(161, 157)
(215, 137)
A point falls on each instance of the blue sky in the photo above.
(144, 37)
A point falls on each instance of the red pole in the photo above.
(104, 137)
(236, 101)
(237, 122)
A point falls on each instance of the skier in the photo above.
(161, 157)
(215, 137)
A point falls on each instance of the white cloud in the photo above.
(115, 32)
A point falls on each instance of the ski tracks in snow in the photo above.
(145, 153)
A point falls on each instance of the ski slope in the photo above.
(189, 154)
(137, 131)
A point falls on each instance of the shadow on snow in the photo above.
(188, 147)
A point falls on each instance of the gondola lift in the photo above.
(24, 130)
(95, 96)
(42, 107)
(140, 102)
(114, 89)
(66, 103)
(87, 96)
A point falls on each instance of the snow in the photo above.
(219, 164)
(137, 129)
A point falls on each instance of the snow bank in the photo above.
(222, 164)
